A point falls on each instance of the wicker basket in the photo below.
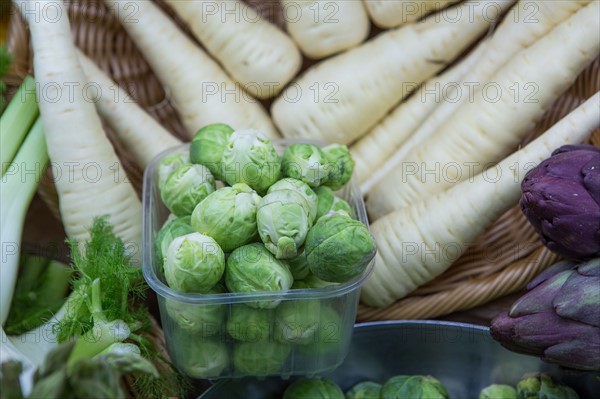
(502, 261)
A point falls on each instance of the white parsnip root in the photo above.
(485, 130)
(393, 13)
(389, 135)
(341, 98)
(517, 31)
(141, 134)
(257, 54)
(90, 179)
(201, 91)
(419, 242)
(325, 27)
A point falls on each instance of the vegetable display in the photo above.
(259, 249)
(557, 318)
(561, 199)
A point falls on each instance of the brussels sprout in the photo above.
(330, 337)
(194, 263)
(340, 165)
(365, 390)
(207, 147)
(197, 357)
(185, 187)
(539, 385)
(498, 391)
(311, 281)
(205, 320)
(297, 322)
(173, 228)
(260, 358)
(306, 162)
(248, 324)
(252, 268)
(303, 189)
(341, 205)
(169, 163)
(283, 222)
(299, 266)
(229, 216)
(413, 387)
(313, 388)
(328, 202)
(249, 157)
(338, 248)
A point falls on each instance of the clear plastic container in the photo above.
(217, 336)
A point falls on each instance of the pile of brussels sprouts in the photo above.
(275, 224)
(531, 386)
(397, 387)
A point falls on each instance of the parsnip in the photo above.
(201, 92)
(324, 27)
(517, 31)
(89, 177)
(373, 149)
(419, 242)
(485, 130)
(258, 55)
(340, 99)
(393, 13)
(141, 134)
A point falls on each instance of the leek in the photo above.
(16, 121)
(17, 190)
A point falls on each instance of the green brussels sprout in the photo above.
(249, 157)
(197, 357)
(365, 390)
(313, 388)
(303, 189)
(260, 358)
(169, 163)
(229, 216)
(330, 337)
(252, 268)
(306, 162)
(328, 201)
(174, 227)
(194, 263)
(539, 385)
(207, 147)
(249, 324)
(341, 205)
(338, 248)
(283, 222)
(297, 322)
(185, 187)
(299, 266)
(498, 391)
(413, 387)
(340, 165)
(205, 320)
(310, 282)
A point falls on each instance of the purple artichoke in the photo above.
(561, 199)
(558, 318)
